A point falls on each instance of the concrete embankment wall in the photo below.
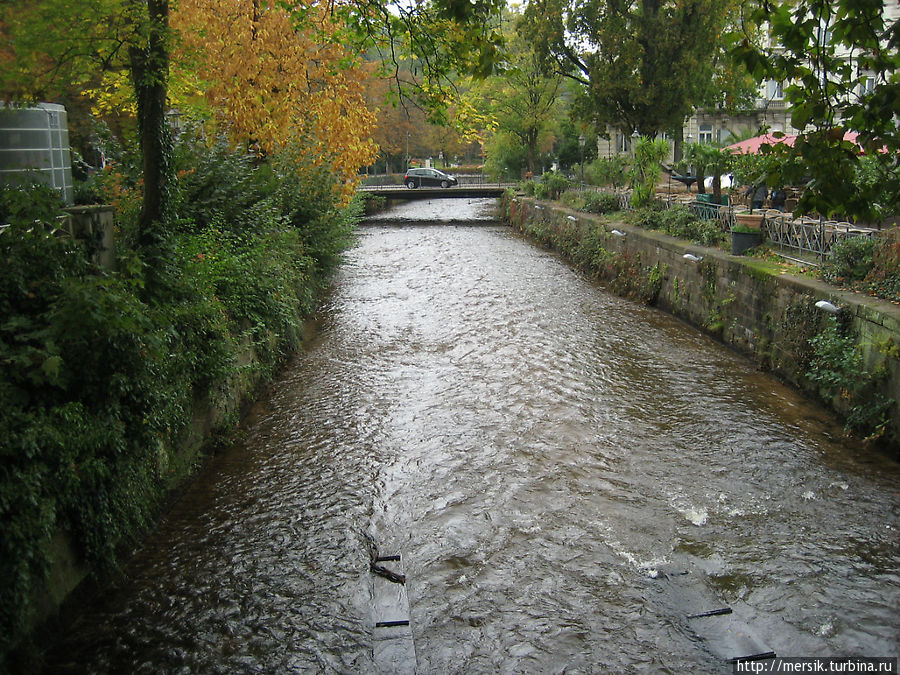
(748, 304)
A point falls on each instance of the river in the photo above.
(567, 475)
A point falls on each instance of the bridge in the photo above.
(400, 192)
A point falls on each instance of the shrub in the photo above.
(611, 171)
(599, 202)
(837, 366)
(850, 261)
(555, 183)
(29, 203)
(884, 278)
(97, 385)
(217, 184)
(680, 222)
(541, 190)
(649, 218)
(677, 220)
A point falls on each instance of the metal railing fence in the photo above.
(814, 237)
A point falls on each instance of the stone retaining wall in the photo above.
(748, 304)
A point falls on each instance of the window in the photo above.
(866, 86)
(706, 133)
(775, 90)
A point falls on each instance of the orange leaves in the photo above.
(268, 76)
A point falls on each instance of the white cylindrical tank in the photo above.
(34, 142)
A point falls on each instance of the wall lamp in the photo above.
(826, 306)
(572, 218)
(618, 233)
(690, 257)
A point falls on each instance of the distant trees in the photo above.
(522, 102)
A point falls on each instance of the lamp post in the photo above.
(581, 140)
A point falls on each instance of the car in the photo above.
(418, 177)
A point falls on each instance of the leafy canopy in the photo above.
(642, 63)
(840, 62)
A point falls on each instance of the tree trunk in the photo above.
(150, 73)
(677, 143)
(531, 150)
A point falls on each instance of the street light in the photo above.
(581, 140)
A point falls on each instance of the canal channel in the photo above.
(570, 478)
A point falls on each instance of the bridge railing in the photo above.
(392, 180)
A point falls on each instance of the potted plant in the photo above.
(743, 237)
(746, 231)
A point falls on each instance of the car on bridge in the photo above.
(428, 177)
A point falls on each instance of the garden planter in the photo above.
(741, 241)
(752, 220)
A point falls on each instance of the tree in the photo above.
(57, 41)
(522, 100)
(646, 168)
(268, 79)
(840, 60)
(642, 64)
(429, 45)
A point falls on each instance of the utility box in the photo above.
(34, 144)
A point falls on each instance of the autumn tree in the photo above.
(270, 77)
(641, 63)
(291, 50)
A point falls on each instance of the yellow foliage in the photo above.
(114, 95)
(254, 70)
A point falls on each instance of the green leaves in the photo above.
(97, 385)
(643, 63)
(839, 61)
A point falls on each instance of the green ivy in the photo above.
(837, 366)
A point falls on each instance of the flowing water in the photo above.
(545, 456)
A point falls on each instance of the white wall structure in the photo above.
(34, 142)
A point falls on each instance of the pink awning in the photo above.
(751, 146)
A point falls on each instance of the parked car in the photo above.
(429, 177)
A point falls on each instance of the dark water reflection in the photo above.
(539, 451)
